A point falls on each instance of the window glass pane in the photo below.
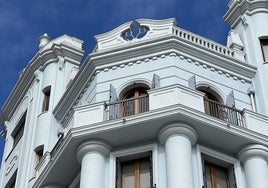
(208, 177)
(128, 176)
(144, 174)
(221, 179)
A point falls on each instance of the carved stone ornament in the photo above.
(136, 31)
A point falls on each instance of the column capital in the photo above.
(92, 146)
(180, 129)
(253, 151)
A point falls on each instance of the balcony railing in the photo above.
(128, 107)
(224, 112)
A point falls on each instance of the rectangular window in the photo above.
(18, 131)
(134, 173)
(218, 174)
(264, 46)
(46, 92)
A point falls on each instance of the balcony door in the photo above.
(213, 105)
(135, 101)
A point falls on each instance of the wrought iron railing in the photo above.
(224, 112)
(128, 107)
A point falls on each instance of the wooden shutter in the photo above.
(113, 109)
(206, 104)
(156, 81)
(231, 115)
(231, 174)
(230, 101)
(192, 82)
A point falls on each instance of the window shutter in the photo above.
(118, 174)
(156, 81)
(192, 82)
(230, 101)
(231, 177)
(204, 172)
(113, 108)
(231, 115)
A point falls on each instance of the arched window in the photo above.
(46, 99)
(213, 103)
(134, 100)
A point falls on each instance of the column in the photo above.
(92, 156)
(178, 139)
(254, 159)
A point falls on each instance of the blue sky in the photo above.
(22, 22)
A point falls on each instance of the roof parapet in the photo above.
(117, 36)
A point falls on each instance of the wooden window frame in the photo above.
(136, 163)
(212, 173)
(137, 91)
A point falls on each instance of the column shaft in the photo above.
(179, 162)
(92, 156)
(254, 157)
(92, 171)
(256, 173)
(178, 139)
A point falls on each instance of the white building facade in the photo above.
(158, 108)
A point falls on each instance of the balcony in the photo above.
(128, 107)
(224, 112)
(165, 98)
(138, 120)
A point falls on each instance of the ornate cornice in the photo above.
(237, 8)
(142, 52)
(65, 46)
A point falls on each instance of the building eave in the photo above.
(206, 126)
